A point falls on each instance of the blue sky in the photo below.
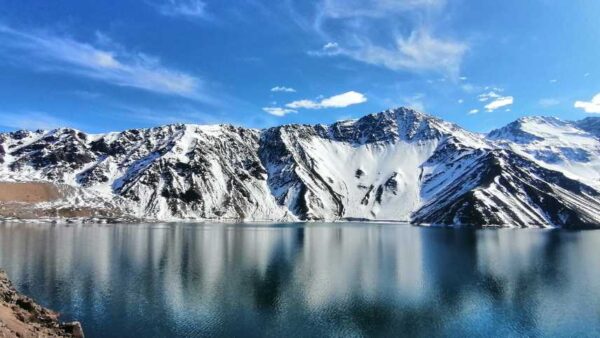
(112, 65)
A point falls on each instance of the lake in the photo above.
(337, 280)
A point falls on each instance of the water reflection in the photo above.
(318, 280)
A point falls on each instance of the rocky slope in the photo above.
(22, 317)
(398, 165)
(569, 147)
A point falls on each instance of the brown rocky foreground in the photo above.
(49, 201)
(28, 192)
(20, 316)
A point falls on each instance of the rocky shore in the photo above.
(20, 316)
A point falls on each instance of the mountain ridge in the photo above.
(399, 165)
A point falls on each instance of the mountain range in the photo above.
(398, 165)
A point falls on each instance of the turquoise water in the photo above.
(350, 280)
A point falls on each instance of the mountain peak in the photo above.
(391, 125)
(529, 129)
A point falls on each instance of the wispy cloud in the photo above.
(592, 106)
(338, 101)
(171, 113)
(473, 111)
(328, 49)
(283, 89)
(375, 8)
(373, 32)
(278, 111)
(421, 51)
(32, 120)
(44, 51)
(415, 102)
(484, 97)
(548, 102)
(189, 8)
(499, 103)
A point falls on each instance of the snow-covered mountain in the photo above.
(572, 148)
(398, 165)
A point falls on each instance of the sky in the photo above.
(111, 65)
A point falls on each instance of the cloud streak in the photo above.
(31, 120)
(188, 8)
(283, 89)
(46, 52)
(499, 103)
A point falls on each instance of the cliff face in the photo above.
(20, 316)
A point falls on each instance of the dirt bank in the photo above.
(20, 316)
(29, 192)
(48, 201)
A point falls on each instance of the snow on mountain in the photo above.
(558, 145)
(590, 124)
(364, 169)
(397, 165)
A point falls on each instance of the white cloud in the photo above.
(488, 96)
(277, 111)
(32, 120)
(553, 81)
(549, 102)
(329, 49)
(398, 35)
(190, 8)
(592, 106)
(460, 101)
(499, 103)
(117, 66)
(337, 101)
(283, 89)
(305, 104)
(473, 111)
(330, 46)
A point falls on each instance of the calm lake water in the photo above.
(340, 280)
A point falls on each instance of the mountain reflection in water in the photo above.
(309, 280)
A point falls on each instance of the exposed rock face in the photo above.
(20, 316)
(398, 165)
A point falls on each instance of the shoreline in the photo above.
(134, 221)
(21, 316)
